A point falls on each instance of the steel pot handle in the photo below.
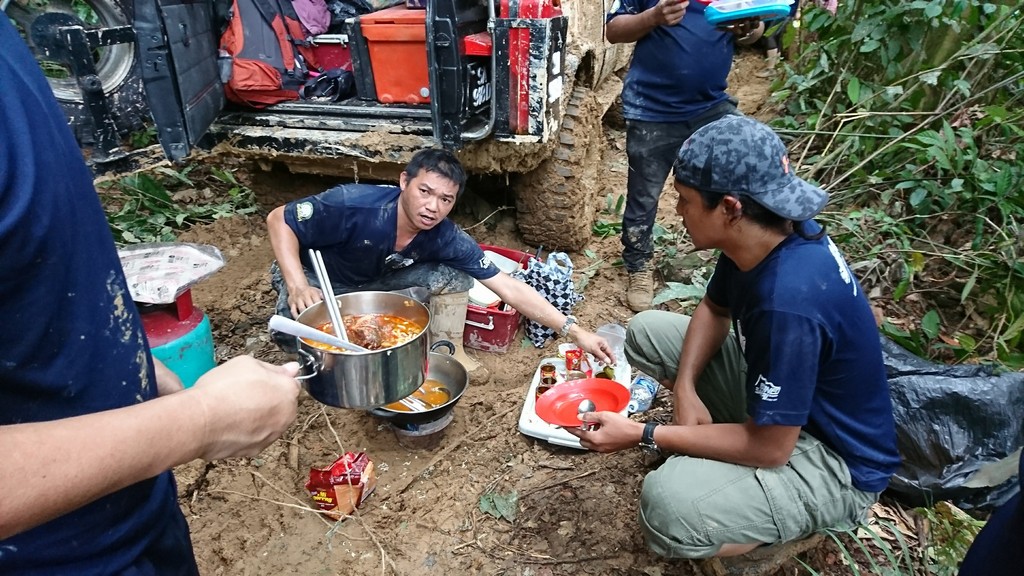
(446, 344)
(307, 360)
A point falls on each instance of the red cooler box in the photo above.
(332, 51)
(396, 39)
(491, 329)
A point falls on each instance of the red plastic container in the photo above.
(332, 51)
(491, 329)
(396, 39)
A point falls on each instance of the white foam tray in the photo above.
(531, 425)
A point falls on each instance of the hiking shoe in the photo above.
(641, 290)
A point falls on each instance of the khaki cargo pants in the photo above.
(690, 507)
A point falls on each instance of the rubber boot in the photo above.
(448, 321)
(771, 61)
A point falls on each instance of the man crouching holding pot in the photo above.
(390, 238)
(784, 426)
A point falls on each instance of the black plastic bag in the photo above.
(343, 9)
(334, 85)
(950, 422)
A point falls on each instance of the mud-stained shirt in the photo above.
(677, 72)
(355, 227)
(814, 357)
(72, 342)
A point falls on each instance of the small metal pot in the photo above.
(443, 368)
(365, 379)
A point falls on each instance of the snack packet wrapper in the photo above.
(341, 487)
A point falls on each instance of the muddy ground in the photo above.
(576, 510)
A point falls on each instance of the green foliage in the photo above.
(880, 548)
(687, 294)
(952, 533)
(500, 505)
(591, 270)
(603, 227)
(909, 113)
(151, 207)
(85, 13)
(142, 138)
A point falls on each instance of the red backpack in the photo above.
(269, 53)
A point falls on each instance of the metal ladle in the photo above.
(300, 330)
(586, 405)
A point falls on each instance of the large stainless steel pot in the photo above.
(365, 379)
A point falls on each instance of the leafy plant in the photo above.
(909, 114)
(880, 548)
(151, 207)
(590, 271)
(142, 138)
(952, 531)
(500, 505)
(85, 13)
(604, 228)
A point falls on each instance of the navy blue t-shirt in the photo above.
(72, 342)
(677, 72)
(355, 227)
(814, 357)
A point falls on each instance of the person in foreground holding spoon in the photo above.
(391, 238)
(785, 426)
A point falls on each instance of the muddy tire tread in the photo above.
(556, 201)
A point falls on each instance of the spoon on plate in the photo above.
(586, 405)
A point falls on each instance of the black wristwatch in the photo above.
(647, 443)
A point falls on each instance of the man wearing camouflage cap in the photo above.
(783, 425)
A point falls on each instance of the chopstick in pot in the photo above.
(330, 300)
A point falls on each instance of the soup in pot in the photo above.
(372, 331)
(432, 393)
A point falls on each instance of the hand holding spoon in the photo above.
(586, 405)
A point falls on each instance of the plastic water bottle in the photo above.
(641, 393)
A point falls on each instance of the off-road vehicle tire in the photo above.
(556, 202)
(117, 65)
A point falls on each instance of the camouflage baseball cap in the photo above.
(739, 155)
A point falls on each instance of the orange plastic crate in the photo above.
(396, 40)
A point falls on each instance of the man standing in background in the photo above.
(676, 84)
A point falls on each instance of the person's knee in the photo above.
(641, 333)
(670, 519)
(443, 279)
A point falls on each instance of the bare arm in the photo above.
(236, 409)
(286, 250)
(626, 28)
(745, 444)
(528, 302)
(167, 382)
(709, 326)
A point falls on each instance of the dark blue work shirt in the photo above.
(677, 72)
(355, 227)
(72, 342)
(814, 358)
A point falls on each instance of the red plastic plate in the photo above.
(559, 405)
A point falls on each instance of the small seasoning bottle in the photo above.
(547, 370)
(545, 384)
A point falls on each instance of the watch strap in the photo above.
(647, 438)
(569, 321)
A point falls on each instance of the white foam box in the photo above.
(531, 424)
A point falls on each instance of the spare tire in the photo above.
(117, 66)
